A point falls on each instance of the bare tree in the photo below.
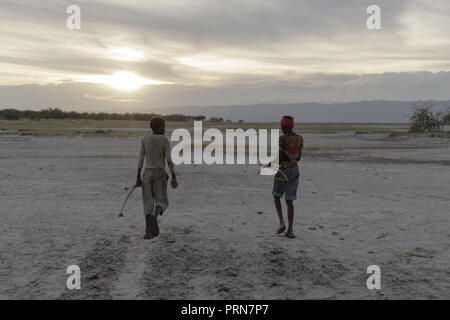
(424, 119)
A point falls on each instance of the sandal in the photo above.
(290, 235)
(281, 229)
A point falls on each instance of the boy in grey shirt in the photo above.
(155, 150)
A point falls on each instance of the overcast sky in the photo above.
(135, 55)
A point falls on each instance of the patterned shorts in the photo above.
(286, 185)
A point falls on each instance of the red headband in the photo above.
(287, 122)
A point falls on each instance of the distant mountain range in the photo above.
(364, 111)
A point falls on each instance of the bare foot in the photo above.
(290, 234)
(281, 229)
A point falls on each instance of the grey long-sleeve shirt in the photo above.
(155, 149)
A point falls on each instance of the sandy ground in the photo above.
(364, 199)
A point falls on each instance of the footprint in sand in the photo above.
(382, 235)
(275, 251)
(419, 253)
(223, 289)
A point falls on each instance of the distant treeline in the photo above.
(55, 113)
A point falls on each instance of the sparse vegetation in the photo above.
(55, 113)
(214, 119)
(425, 119)
(446, 118)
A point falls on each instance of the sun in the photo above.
(123, 80)
(126, 81)
(129, 81)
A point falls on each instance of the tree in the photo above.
(10, 114)
(55, 113)
(424, 119)
(446, 118)
(214, 119)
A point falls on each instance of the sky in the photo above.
(132, 55)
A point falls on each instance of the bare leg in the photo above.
(282, 227)
(147, 228)
(290, 209)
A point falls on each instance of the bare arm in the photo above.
(172, 169)
(170, 164)
(301, 149)
(174, 182)
(138, 178)
(140, 164)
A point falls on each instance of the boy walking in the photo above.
(155, 149)
(287, 178)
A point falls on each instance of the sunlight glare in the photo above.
(125, 54)
(123, 80)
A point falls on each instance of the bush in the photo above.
(424, 119)
(446, 118)
(10, 114)
(214, 119)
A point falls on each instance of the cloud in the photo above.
(226, 52)
(112, 99)
(315, 88)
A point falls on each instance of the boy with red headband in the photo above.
(155, 150)
(287, 178)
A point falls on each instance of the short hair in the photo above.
(157, 122)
